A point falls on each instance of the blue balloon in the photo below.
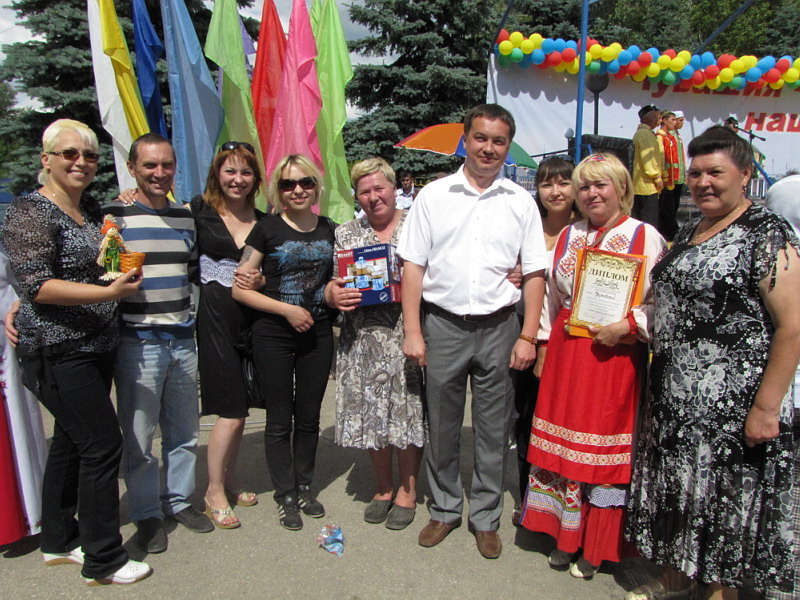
(526, 61)
(686, 72)
(603, 67)
(654, 53)
(537, 56)
(613, 66)
(625, 57)
(753, 74)
(738, 82)
(635, 51)
(560, 44)
(497, 49)
(708, 59)
(766, 63)
(548, 45)
(572, 44)
(696, 61)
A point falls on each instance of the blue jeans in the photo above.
(157, 385)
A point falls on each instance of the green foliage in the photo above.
(435, 72)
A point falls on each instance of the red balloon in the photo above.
(634, 67)
(759, 84)
(772, 75)
(712, 71)
(698, 77)
(724, 61)
(783, 65)
(620, 75)
(554, 58)
(568, 55)
(671, 53)
(543, 65)
(502, 36)
(685, 84)
(645, 58)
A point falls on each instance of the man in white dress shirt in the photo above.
(404, 196)
(463, 235)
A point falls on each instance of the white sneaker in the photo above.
(131, 572)
(582, 569)
(559, 558)
(73, 557)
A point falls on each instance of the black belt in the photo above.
(438, 310)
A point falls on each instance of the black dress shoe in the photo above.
(194, 520)
(151, 537)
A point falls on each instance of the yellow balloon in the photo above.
(574, 66)
(653, 69)
(726, 74)
(796, 63)
(664, 61)
(588, 58)
(596, 51)
(608, 54)
(686, 56)
(617, 47)
(791, 75)
(527, 46)
(777, 84)
(506, 47)
(516, 38)
(677, 64)
(713, 84)
(537, 39)
(738, 66)
(640, 75)
(749, 61)
(561, 67)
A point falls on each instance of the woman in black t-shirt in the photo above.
(292, 339)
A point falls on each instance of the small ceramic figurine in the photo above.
(110, 249)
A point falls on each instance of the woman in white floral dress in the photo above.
(378, 390)
(710, 493)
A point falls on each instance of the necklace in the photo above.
(702, 236)
(65, 204)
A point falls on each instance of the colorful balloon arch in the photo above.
(681, 69)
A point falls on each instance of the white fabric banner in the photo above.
(544, 104)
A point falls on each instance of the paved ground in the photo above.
(263, 560)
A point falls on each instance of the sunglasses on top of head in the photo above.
(288, 185)
(72, 154)
(235, 145)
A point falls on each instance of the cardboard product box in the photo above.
(373, 270)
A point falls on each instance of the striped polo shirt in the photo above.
(162, 307)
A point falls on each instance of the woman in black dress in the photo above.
(224, 215)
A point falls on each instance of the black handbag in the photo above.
(245, 349)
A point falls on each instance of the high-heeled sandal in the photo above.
(243, 498)
(218, 516)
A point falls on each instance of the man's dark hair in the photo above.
(646, 109)
(403, 173)
(721, 139)
(147, 138)
(491, 112)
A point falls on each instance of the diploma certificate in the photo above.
(607, 285)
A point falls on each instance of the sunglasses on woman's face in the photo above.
(235, 145)
(288, 185)
(72, 155)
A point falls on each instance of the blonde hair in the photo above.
(54, 131)
(369, 166)
(213, 195)
(304, 164)
(596, 167)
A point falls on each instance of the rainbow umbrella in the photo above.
(448, 138)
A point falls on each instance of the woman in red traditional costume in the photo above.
(580, 445)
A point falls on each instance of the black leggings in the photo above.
(293, 371)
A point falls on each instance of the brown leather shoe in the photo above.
(435, 531)
(489, 544)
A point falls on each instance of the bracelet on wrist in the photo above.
(527, 338)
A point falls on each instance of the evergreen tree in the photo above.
(436, 71)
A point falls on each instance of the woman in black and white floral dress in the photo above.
(378, 390)
(710, 495)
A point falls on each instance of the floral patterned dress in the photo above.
(378, 390)
(701, 500)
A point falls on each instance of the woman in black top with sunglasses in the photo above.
(292, 339)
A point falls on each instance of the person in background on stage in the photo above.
(669, 175)
(648, 160)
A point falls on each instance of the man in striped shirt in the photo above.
(156, 370)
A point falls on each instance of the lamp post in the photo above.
(597, 84)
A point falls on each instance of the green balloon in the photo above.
(504, 60)
(594, 67)
(669, 77)
(517, 55)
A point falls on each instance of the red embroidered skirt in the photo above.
(586, 409)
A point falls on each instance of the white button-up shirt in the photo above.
(469, 242)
